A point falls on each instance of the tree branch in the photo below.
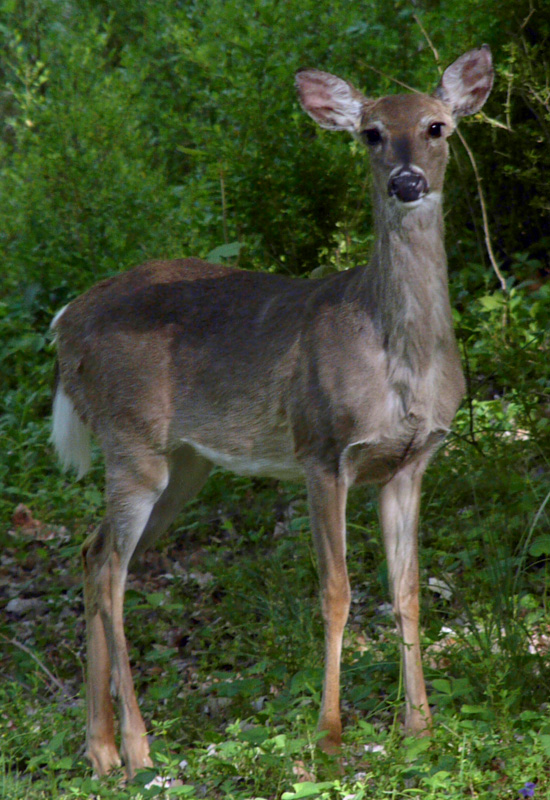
(484, 218)
(42, 666)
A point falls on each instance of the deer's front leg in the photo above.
(399, 508)
(327, 501)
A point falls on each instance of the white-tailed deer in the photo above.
(355, 378)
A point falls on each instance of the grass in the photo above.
(225, 638)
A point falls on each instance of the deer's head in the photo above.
(406, 134)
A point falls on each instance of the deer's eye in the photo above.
(435, 130)
(372, 135)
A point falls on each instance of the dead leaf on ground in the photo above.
(301, 773)
(26, 525)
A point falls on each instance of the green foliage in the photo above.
(162, 129)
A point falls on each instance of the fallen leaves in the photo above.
(24, 524)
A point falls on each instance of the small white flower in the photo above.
(158, 781)
(375, 748)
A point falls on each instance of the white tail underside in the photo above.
(70, 436)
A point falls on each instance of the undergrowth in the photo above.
(225, 637)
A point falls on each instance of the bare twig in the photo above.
(529, 15)
(224, 207)
(389, 77)
(430, 43)
(494, 123)
(508, 103)
(469, 398)
(42, 666)
(464, 176)
(484, 218)
(529, 536)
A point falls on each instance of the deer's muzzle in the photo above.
(407, 186)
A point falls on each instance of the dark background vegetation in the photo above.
(161, 129)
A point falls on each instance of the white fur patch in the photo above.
(57, 317)
(70, 437)
(281, 468)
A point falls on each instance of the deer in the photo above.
(354, 378)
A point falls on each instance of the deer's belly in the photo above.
(269, 462)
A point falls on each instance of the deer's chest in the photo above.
(402, 423)
(378, 460)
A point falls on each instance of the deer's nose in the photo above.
(407, 186)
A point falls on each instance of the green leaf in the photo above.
(224, 251)
(256, 735)
(321, 271)
(416, 747)
(181, 791)
(442, 685)
(540, 546)
(162, 692)
(155, 599)
(245, 687)
(482, 711)
(64, 763)
(545, 742)
(307, 789)
(298, 523)
(490, 302)
(56, 742)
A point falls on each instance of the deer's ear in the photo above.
(466, 84)
(332, 102)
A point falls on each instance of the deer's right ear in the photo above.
(332, 102)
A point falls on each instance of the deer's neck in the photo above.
(405, 283)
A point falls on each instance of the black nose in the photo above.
(407, 186)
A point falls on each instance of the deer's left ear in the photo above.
(467, 83)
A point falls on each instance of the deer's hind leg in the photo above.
(188, 474)
(101, 749)
(143, 497)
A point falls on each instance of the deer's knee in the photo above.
(336, 601)
(406, 607)
(95, 550)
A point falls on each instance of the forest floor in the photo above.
(225, 639)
